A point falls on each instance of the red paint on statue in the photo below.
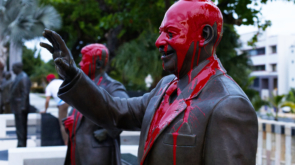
(99, 81)
(175, 135)
(166, 112)
(180, 21)
(179, 29)
(90, 53)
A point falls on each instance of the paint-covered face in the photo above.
(94, 59)
(181, 27)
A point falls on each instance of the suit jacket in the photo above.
(5, 87)
(19, 93)
(222, 125)
(88, 150)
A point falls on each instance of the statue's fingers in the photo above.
(62, 64)
(47, 46)
(46, 35)
(60, 41)
(51, 38)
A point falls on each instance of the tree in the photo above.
(276, 102)
(24, 20)
(290, 100)
(31, 62)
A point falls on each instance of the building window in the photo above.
(254, 52)
(256, 82)
(273, 67)
(273, 49)
(259, 68)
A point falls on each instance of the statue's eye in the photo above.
(170, 35)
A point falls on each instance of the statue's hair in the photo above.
(19, 65)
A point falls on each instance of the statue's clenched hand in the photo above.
(62, 57)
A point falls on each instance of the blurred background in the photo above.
(257, 50)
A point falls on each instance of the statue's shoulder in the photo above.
(112, 82)
(167, 79)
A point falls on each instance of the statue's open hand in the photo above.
(62, 57)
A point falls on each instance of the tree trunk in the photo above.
(15, 54)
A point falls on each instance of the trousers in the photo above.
(21, 120)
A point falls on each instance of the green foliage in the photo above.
(276, 102)
(290, 100)
(30, 61)
(40, 72)
(138, 58)
(257, 102)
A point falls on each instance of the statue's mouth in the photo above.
(167, 55)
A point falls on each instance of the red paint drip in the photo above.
(175, 135)
(74, 140)
(99, 81)
(194, 54)
(189, 74)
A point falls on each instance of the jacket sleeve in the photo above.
(116, 90)
(101, 108)
(232, 133)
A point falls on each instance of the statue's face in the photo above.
(181, 30)
(15, 69)
(94, 64)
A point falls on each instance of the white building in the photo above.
(273, 62)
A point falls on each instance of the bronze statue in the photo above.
(20, 102)
(90, 143)
(197, 116)
(5, 91)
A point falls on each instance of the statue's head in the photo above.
(95, 58)
(7, 75)
(17, 68)
(189, 34)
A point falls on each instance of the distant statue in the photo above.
(20, 103)
(5, 91)
(90, 143)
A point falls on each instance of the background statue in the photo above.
(20, 102)
(197, 116)
(90, 143)
(5, 88)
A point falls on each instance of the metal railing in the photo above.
(276, 143)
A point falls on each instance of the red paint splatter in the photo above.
(90, 53)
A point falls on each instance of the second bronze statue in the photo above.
(90, 143)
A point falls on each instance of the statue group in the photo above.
(15, 99)
(197, 115)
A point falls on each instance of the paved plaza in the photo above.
(129, 140)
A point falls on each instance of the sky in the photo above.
(280, 12)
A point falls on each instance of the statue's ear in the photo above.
(208, 34)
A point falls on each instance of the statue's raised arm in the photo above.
(62, 57)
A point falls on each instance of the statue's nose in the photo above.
(161, 41)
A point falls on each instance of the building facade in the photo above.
(273, 59)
